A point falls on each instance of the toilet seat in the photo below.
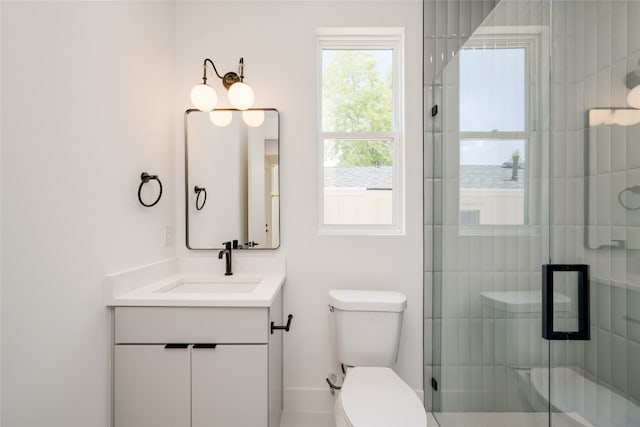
(377, 397)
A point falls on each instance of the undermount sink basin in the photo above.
(245, 285)
(198, 282)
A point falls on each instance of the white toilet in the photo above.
(367, 331)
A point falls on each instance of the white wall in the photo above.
(277, 41)
(87, 105)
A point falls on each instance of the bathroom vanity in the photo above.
(197, 348)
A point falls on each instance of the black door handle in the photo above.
(548, 331)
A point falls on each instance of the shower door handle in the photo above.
(548, 332)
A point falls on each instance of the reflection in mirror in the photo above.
(232, 180)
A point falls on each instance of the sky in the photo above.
(488, 152)
(492, 98)
(492, 89)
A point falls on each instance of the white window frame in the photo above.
(532, 39)
(362, 39)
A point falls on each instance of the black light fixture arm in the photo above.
(229, 78)
(241, 69)
(204, 66)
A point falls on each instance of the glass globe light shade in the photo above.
(253, 118)
(241, 96)
(626, 117)
(598, 117)
(609, 118)
(204, 98)
(633, 98)
(221, 118)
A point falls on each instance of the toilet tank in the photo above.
(367, 326)
(518, 329)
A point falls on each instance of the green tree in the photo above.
(357, 97)
(360, 152)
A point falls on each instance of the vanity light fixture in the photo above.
(253, 118)
(614, 116)
(633, 98)
(632, 81)
(240, 94)
(221, 118)
(621, 116)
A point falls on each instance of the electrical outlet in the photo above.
(168, 235)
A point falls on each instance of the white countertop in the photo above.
(152, 285)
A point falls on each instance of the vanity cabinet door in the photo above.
(152, 386)
(230, 386)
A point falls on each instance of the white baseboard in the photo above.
(298, 399)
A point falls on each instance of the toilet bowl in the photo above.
(377, 397)
(367, 332)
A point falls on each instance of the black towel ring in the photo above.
(634, 190)
(145, 177)
(200, 190)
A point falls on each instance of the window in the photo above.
(498, 116)
(360, 131)
(469, 217)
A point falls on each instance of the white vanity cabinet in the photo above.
(152, 386)
(229, 386)
(197, 366)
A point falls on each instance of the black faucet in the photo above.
(227, 253)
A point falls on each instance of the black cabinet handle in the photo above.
(210, 346)
(285, 327)
(184, 345)
(548, 332)
(176, 345)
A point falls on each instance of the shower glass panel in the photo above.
(595, 158)
(491, 227)
(535, 159)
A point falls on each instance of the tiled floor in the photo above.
(314, 419)
(506, 419)
(446, 419)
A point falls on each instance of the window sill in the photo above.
(364, 230)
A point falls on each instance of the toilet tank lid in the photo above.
(357, 300)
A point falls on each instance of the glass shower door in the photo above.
(595, 210)
(491, 227)
(536, 160)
